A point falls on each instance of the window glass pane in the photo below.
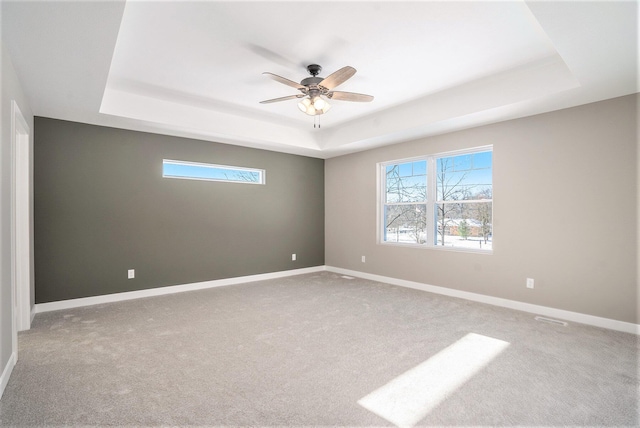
(406, 182)
(459, 201)
(405, 223)
(197, 171)
(464, 225)
(406, 169)
(464, 177)
(462, 163)
(482, 160)
(420, 168)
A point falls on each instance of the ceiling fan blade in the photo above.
(349, 96)
(338, 77)
(275, 100)
(284, 80)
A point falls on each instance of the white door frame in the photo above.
(20, 223)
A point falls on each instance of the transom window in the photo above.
(211, 172)
(440, 201)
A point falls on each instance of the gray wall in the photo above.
(565, 212)
(11, 90)
(102, 207)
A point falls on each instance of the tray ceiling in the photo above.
(194, 68)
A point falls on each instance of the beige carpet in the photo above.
(317, 350)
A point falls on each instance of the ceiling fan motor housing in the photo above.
(311, 81)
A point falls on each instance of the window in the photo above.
(209, 172)
(439, 201)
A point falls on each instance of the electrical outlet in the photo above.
(131, 273)
(363, 259)
(293, 257)
(529, 282)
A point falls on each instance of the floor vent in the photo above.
(346, 277)
(551, 321)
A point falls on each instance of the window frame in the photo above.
(262, 180)
(431, 200)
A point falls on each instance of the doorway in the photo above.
(20, 223)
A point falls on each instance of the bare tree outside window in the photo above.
(464, 189)
(405, 197)
(449, 189)
(484, 214)
(242, 176)
(453, 208)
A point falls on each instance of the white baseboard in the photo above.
(497, 301)
(129, 295)
(6, 373)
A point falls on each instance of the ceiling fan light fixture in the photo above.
(326, 106)
(313, 106)
(304, 104)
(311, 111)
(319, 103)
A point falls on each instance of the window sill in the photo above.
(437, 248)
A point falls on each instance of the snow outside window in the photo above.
(439, 201)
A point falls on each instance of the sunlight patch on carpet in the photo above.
(408, 398)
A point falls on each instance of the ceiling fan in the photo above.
(315, 90)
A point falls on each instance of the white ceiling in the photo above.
(194, 69)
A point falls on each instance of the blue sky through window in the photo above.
(465, 176)
(196, 171)
(406, 182)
